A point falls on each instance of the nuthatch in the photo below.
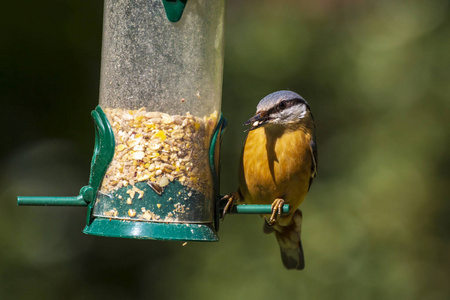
(277, 166)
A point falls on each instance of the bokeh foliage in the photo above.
(376, 222)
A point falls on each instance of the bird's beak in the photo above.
(257, 121)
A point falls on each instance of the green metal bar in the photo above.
(51, 201)
(257, 209)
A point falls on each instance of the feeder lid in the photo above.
(174, 9)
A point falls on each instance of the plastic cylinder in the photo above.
(160, 87)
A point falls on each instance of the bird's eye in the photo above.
(282, 105)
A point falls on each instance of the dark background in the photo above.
(376, 221)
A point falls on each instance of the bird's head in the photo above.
(281, 108)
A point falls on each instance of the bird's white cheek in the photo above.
(277, 120)
(302, 115)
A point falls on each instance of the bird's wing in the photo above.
(313, 149)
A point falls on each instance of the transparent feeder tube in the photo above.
(160, 87)
(148, 61)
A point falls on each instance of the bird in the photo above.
(278, 164)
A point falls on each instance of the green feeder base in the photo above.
(152, 230)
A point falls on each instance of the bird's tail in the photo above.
(288, 238)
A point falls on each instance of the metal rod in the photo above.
(51, 201)
(257, 209)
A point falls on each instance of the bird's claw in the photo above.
(231, 198)
(277, 207)
(267, 228)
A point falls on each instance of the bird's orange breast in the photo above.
(276, 163)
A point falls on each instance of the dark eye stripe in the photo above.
(291, 103)
(300, 100)
(288, 103)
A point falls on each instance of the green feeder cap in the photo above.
(174, 9)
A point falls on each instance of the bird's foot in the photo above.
(231, 198)
(277, 207)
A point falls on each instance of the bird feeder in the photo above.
(154, 172)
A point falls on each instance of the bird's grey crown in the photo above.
(274, 98)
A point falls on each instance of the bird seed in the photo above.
(158, 148)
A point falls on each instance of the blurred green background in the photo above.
(376, 222)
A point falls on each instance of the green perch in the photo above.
(79, 201)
